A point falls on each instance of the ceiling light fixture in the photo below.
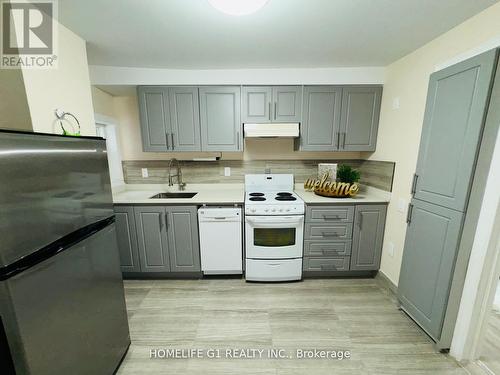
(238, 7)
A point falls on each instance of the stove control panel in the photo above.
(270, 209)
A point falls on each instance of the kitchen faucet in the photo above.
(182, 185)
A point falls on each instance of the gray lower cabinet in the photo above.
(430, 249)
(183, 238)
(265, 104)
(127, 239)
(368, 234)
(220, 118)
(158, 239)
(360, 117)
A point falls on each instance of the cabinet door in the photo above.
(152, 238)
(183, 239)
(220, 118)
(287, 104)
(368, 234)
(430, 249)
(155, 118)
(360, 116)
(256, 104)
(321, 119)
(454, 115)
(185, 119)
(126, 235)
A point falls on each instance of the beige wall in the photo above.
(67, 87)
(14, 111)
(399, 132)
(103, 102)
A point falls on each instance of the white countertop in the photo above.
(366, 195)
(206, 194)
(230, 194)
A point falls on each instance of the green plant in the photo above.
(347, 174)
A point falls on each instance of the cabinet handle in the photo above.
(166, 220)
(160, 221)
(328, 217)
(238, 140)
(275, 110)
(329, 234)
(269, 110)
(360, 221)
(414, 184)
(409, 214)
(338, 140)
(172, 137)
(343, 140)
(166, 136)
(328, 252)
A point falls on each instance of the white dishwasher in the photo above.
(220, 240)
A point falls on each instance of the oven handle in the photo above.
(271, 221)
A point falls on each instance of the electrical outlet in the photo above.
(390, 249)
(144, 172)
(395, 103)
(402, 205)
(227, 171)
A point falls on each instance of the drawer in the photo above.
(339, 214)
(326, 264)
(328, 231)
(327, 249)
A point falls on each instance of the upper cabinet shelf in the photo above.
(210, 118)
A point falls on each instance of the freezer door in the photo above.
(67, 315)
(51, 186)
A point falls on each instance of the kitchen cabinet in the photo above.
(169, 117)
(340, 118)
(127, 239)
(360, 117)
(158, 239)
(220, 118)
(184, 246)
(368, 234)
(265, 104)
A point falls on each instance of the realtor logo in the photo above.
(28, 34)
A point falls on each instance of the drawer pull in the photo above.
(328, 252)
(328, 267)
(329, 234)
(329, 217)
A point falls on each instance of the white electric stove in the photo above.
(274, 228)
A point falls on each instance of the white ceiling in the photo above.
(190, 34)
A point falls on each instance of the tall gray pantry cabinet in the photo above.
(456, 109)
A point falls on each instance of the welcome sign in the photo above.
(328, 188)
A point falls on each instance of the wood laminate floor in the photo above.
(490, 352)
(357, 315)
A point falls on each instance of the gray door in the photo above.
(360, 116)
(154, 117)
(127, 239)
(183, 239)
(220, 118)
(454, 115)
(368, 235)
(287, 104)
(256, 104)
(152, 238)
(321, 120)
(429, 255)
(185, 119)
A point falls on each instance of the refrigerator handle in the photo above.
(414, 184)
(409, 214)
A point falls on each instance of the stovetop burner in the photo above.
(256, 194)
(284, 194)
(285, 198)
(257, 198)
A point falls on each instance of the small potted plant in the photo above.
(345, 185)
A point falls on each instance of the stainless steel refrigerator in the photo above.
(62, 305)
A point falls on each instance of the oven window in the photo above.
(274, 237)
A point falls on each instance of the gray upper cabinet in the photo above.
(453, 122)
(127, 239)
(264, 104)
(183, 239)
(368, 234)
(256, 104)
(220, 118)
(155, 118)
(321, 119)
(360, 117)
(185, 119)
(427, 269)
(152, 238)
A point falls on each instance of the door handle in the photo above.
(166, 136)
(409, 214)
(414, 184)
(275, 110)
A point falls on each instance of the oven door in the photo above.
(274, 237)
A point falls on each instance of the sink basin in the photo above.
(173, 195)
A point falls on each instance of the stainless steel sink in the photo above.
(173, 195)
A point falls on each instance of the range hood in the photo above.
(289, 130)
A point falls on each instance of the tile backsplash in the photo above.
(378, 174)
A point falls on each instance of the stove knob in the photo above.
(281, 210)
(253, 210)
(287, 210)
(267, 209)
(273, 210)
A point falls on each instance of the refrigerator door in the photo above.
(67, 315)
(51, 186)
(430, 251)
